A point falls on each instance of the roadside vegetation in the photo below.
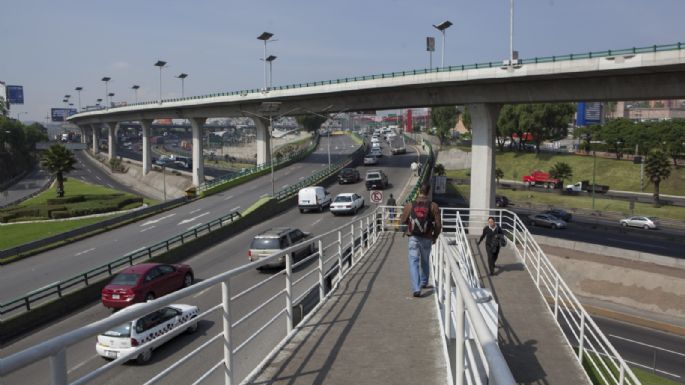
(17, 147)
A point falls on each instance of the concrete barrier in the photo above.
(612, 251)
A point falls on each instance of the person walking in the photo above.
(422, 218)
(492, 233)
(414, 168)
(391, 210)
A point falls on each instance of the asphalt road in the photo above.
(65, 262)
(88, 172)
(138, 155)
(81, 357)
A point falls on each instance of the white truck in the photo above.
(585, 185)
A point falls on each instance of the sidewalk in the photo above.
(32, 183)
(371, 331)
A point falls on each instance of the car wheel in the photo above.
(646, 227)
(301, 211)
(192, 328)
(144, 357)
(554, 226)
(624, 224)
(149, 297)
(320, 208)
(187, 280)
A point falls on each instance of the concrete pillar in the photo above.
(483, 121)
(198, 164)
(263, 141)
(96, 137)
(112, 138)
(147, 150)
(83, 133)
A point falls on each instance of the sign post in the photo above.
(376, 196)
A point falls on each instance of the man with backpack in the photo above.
(422, 218)
(494, 236)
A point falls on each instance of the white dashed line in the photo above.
(193, 218)
(316, 221)
(202, 292)
(194, 211)
(194, 226)
(84, 252)
(647, 345)
(147, 228)
(79, 365)
(301, 178)
(97, 177)
(228, 197)
(285, 186)
(235, 208)
(89, 170)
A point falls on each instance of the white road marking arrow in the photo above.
(157, 220)
(193, 218)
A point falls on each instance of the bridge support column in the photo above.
(96, 138)
(112, 139)
(263, 141)
(147, 158)
(484, 119)
(84, 130)
(198, 165)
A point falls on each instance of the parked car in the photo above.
(348, 175)
(370, 160)
(144, 282)
(274, 240)
(547, 220)
(376, 179)
(637, 221)
(501, 201)
(561, 214)
(127, 338)
(347, 203)
(313, 198)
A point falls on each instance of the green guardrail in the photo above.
(425, 173)
(462, 67)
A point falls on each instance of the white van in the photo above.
(315, 197)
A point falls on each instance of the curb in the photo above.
(634, 320)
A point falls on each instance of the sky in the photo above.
(50, 47)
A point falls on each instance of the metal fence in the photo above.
(462, 67)
(591, 345)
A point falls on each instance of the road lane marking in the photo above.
(147, 228)
(264, 195)
(228, 197)
(285, 186)
(194, 211)
(157, 220)
(183, 222)
(109, 185)
(316, 221)
(235, 208)
(84, 252)
(89, 170)
(647, 345)
(194, 226)
(202, 292)
(98, 177)
(301, 177)
(81, 364)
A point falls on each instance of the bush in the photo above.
(64, 200)
(60, 214)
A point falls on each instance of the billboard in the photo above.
(588, 113)
(61, 114)
(15, 94)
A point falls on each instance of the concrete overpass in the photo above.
(656, 72)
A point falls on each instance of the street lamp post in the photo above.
(106, 79)
(265, 36)
(79, 89)
(511, 32)
(160, 64)
(270, 60)
(442, 27)
(182, 76)
(97, 102)
(135, 91)
(111, 96)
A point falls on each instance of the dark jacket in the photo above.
(491, 241)
(435, 210)
(391, 202)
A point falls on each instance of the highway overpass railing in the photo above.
(491, 64)
(592, 348)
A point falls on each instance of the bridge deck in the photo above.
(372, 330)
(531, 342)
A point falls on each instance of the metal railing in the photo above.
(331, 257)
(592, 347)
(462, 67)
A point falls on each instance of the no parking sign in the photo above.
(376, 196)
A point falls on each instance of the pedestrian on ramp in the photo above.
(493, 238)
(422, 218)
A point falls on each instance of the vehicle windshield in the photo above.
(373, 176)
(125, 279)
(346, 198)
(265, 244)
(119, 331)
(347, 172)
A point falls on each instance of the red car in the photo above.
(145, 282)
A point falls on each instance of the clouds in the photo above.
(120, 65)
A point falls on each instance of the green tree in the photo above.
(562, 171)
(673, 134)
(466, 118)
(444, 119)
(546, 121)
(58, 160)
(439, 169)
(658, 169)
(311, 122)
(507, 125)
(499, 174)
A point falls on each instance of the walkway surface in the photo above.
(32, 183)
(532, 343)
(371, 331)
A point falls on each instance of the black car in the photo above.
(348, 175)
(376, 179)
(561, 214)
(501, 201)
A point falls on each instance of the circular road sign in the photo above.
(376, 196)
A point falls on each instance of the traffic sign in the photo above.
(376, 196)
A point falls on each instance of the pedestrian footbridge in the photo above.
(346, 315)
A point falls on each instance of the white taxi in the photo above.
(128, 338)
(347, 203)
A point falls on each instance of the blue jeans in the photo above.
(419, 266)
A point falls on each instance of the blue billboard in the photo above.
(61, 114)
(15, 94)
(589, 113)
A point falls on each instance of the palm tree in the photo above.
(562, 171)
(658, 169)
(439, 169)
(499, 174)
(58, 160)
